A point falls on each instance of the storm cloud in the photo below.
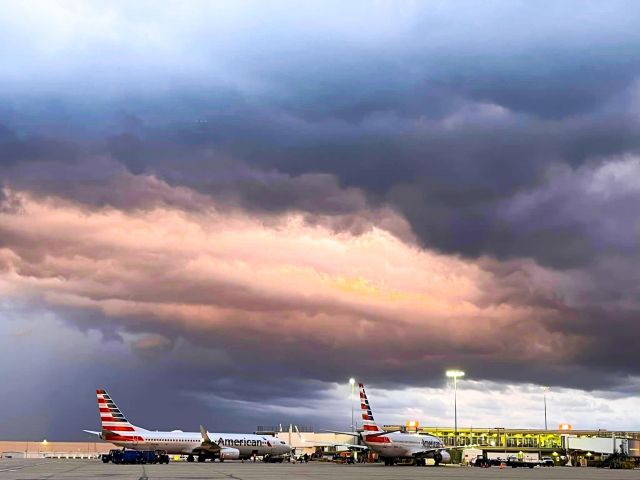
(286, 190)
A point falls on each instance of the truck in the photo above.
(124, 456)
(273, 458)
(510, 461)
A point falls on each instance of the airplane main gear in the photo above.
(437, 457)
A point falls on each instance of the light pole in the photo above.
(545, 390)
(352, 382)
(455, 374)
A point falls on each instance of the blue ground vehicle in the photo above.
(123, 456)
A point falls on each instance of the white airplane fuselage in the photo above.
(406, 445)
(186, 443)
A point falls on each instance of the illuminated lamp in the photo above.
(412, 424)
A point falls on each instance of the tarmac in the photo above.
(18, 469)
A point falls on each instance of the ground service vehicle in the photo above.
(512, 462)
(273, 458)
(123, 456)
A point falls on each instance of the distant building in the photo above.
(46, 449)
(577, 446)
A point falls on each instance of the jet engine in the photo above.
(442, 457)
(229, 454)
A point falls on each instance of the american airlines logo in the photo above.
(431, 443)
(240, 443)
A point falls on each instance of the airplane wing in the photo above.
(329, 444)
(428, 451)
(207, 444)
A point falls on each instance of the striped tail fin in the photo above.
(112, 419)
(368, 422)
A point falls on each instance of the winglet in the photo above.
(205, 435)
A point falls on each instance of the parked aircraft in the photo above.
(202, 445)
(395, 445)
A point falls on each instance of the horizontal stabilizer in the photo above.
(353, 434)
(350, 445)
(378, 434)
(92, 432)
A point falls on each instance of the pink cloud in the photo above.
(226, 278)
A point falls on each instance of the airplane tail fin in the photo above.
(112, 419)
(368, 422)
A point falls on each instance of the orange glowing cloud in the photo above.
(222, 277)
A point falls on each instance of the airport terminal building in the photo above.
(574, 447)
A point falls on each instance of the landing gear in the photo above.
(437, 458)
(190, 458)
(201, 458)
(389, 462)
(420, 462)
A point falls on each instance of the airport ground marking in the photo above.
(13, 469)
(144, 474)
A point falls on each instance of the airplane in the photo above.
(394, 445)
(202, 445)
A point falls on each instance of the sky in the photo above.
(222, 211)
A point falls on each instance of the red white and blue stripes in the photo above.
(367, 416)
(368, 422)
(114, 424)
